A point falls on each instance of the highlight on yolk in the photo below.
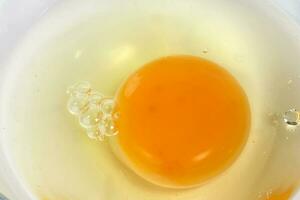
(182, 120)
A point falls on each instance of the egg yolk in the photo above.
(182, 120)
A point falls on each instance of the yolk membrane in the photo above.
(182, 120)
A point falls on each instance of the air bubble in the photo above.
(91, 117)
(94, 133)
(108, 127)
(291, 117)
(94, 111)
(95, 98)
(107, 106)
(79, 88)
(205, 51)
(76, 105)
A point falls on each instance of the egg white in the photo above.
(103, 42)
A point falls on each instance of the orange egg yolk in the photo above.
(182, 120)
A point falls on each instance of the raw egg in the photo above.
(182, 120)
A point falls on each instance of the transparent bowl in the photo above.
(18, 16)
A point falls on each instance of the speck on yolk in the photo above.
(183, 120)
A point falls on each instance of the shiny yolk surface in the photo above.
(182, 119)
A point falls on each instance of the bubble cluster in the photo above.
(94, 111)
